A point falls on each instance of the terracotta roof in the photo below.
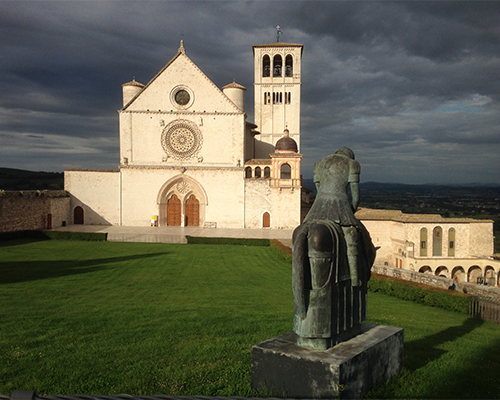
(234, 85)
(133, 83)
(399, 216)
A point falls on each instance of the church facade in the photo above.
(189, 157)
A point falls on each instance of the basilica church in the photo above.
(189, 157)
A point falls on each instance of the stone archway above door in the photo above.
(190, 197)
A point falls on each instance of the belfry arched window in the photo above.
(257, 172)
(288, 66)
(286, 171)
(266, 66)
(277, 65)
(267, 172)
(248, 172)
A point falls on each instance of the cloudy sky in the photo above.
(412, 87)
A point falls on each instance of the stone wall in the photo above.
(32, 210)
(437, 281)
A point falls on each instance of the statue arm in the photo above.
(355, 195)
(354, 171)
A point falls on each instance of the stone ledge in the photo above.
(281, 366)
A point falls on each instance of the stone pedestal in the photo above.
(348, 369)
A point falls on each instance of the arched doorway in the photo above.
(442, 271)
(474, 272)
(266, 220)
(174, 211)
(78, 215)
(192, 211)
(458, 274)
(489, 275)
(188, 202)
(425, 270)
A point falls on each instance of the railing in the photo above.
(486, 309)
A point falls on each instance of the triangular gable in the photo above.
(181, 70)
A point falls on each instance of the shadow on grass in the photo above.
(470, 375)
(25, 271)
(420, 352)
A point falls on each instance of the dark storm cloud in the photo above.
(412, 87)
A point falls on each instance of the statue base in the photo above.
(349, 369)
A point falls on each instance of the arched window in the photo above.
(423, 242)
(257, 172)
(248, 172)
(266, 66)
(267, 172)
(288, 66)
(286, 172)
(451, 242)
(437, 242)
(277, 65)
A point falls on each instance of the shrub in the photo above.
(226, 241)
(85, 236)
(434, 297)
(5, 236)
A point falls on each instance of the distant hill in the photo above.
(19, 179)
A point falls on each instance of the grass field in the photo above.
(105, 318)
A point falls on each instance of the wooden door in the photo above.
(266, 220)
(174, 211)
(192, 211)
(78, 216)
(49, 221)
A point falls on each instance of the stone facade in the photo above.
(456, 248)
(33, 210)
(186, 150)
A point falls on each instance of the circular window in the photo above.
(181, 139)
(181, 97)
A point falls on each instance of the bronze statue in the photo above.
(332, 258)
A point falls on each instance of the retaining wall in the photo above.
(437, 281)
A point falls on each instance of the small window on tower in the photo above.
(286, 172)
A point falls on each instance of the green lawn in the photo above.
(105, 318)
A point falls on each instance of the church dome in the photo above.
(286, 144)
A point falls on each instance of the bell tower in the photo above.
(277, 82)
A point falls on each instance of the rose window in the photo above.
(181, 140)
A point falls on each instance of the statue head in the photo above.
(345, 151)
